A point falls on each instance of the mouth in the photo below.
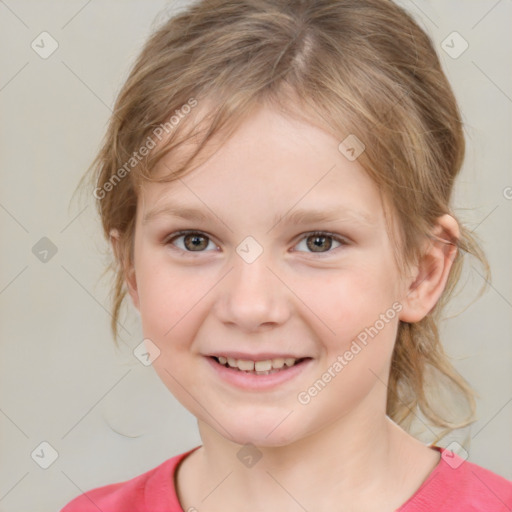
(263, 367)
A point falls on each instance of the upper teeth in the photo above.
(259, 366)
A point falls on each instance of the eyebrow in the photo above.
(297, 217)
(333, 214)
(174, 210)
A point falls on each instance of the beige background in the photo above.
(107, 416)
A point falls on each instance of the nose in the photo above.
(253, 296)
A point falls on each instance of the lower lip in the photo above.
(251, 381)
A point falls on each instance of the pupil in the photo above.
(318, 243)
(196, 241)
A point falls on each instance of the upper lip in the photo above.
(261, 356)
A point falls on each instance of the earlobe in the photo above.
(432, 271)
(128, 269)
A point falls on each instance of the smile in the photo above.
(265, 367)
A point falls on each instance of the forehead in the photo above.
(270, 156)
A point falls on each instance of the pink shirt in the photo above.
(454, 485)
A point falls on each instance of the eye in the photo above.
(321, 242)
(193, 241)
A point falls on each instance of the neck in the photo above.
(359, 463)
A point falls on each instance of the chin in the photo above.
(272, 432)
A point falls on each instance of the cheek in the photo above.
(171, 310)
(168, 295)
(349, 302)
(159, 303)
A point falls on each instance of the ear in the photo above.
(128, 268)
(426, 286)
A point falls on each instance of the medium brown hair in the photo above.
(360, 67)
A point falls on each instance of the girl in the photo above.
(276, 183)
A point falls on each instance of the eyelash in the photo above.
(341, 240)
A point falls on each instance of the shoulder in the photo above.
(458, 485)
(154, 489)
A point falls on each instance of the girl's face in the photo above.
(249, 281)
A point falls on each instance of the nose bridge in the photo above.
(252, 294)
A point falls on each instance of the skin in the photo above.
(340, 451)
